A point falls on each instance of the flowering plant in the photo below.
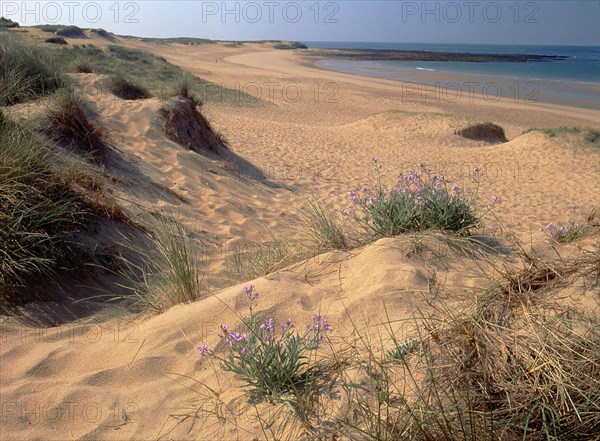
(274, 361)
(418, 201)
(564, 233)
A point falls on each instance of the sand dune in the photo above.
(140, 378)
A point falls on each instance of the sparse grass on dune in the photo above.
(68, 124)
(127, 90)
(166, 276)
(183, 122)
(26, 72)
(154, 73)
(253, 259)
(323, 230)
(590, 136)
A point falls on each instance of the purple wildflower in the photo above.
(250, 294)
(268, 326)
(419, 201)
(318, 328)
(287, 324)
(203, 350)
(496, 199)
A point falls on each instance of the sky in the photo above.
(549, 22)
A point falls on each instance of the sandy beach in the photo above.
(312, 132)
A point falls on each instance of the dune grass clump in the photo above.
(127, 90)
(323, 229)
(168, 276)
(484, 132)
(183, 122)
(534, 378)
(39, 215)
(56, 40)
(26, 72)
(275, 362)
(68, 124)
(70, 32)
(419, 201)
(515, 365)
(84, 67)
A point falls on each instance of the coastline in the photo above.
(452, 86)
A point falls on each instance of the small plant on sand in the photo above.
(565, 233)
(419, 201)
(275, 362)
(167, 277)
(323, 229)
(84, 67)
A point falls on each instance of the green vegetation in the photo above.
(290, 45)
(40, 213)
(179, 40)
(7, 23)
(63, 30)
(419, 201)
(591, 136)
(324, 231)
(275, 366)
(26, 72)
(126, 90)
(153, 73)
(167, 277)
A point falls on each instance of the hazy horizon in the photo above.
(549, 23)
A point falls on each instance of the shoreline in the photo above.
(415, 55)
(454, 86)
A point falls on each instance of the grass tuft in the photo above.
(168, 277)
(322, 228)
(127, 90)
(68, 124)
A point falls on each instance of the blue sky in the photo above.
(486, 22)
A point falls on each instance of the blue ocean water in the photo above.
(574, 80)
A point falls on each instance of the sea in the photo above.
(573, 81)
